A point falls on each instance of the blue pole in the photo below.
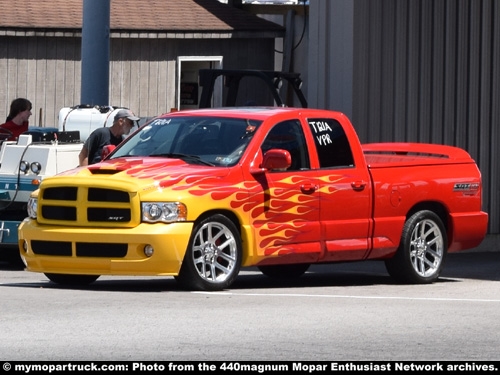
(95, 52)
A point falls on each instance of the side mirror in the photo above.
(277, 159)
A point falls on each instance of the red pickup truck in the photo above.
(199, 194)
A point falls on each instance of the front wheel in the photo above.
(64, 279)
(213, 257)
(422, 250)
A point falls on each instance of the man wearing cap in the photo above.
(113, 135)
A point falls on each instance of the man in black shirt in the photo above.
(92, 148)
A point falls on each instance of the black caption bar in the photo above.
(234, 367)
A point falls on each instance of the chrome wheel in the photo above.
(213, 257)
(422, 250)
(214, 252)
(426, 248)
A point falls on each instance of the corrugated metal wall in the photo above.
(425, 71)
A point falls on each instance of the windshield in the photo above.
(203, 140)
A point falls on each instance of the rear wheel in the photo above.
(422, 251)
(64, 279)
(283, 271)
(213, 257)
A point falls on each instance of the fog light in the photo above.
(23, 259)
(24, 250)
(148, 250)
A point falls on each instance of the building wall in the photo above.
(419, 71)
(47, 70)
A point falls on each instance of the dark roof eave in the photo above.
(197, 34)
(30, 32)
(146, 34)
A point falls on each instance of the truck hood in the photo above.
(152, 177)
(154, 168)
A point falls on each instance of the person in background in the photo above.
(92, 148)
(17, 121)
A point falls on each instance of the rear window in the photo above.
(331, 143)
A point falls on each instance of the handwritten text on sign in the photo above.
(321, 129)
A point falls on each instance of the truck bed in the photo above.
(383, 155)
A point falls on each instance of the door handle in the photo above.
(358, 185)
(308, 188)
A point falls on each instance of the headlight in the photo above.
(36, 167)
(31, 207)
(24, 166)
(167, 212)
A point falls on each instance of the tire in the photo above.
(63, 279)
(213, 257)
(284, 271)
(422, 250)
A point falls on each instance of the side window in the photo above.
(288, 135)
(331, 143)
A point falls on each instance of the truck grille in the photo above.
(83, 249)
(85, 206)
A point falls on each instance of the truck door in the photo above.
(344, 194)
(290, 226)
